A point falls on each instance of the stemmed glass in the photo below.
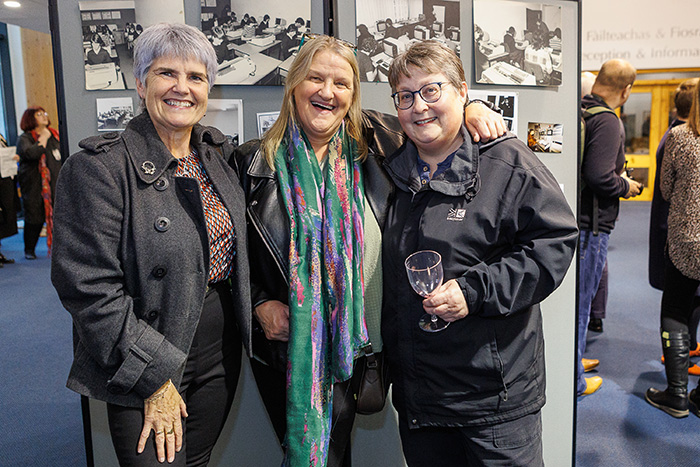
(424, 269)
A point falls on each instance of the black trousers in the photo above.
(208, 387)
(271, 386)
(677, 301)
(508, 444)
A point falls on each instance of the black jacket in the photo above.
(507, 235)
(29, 177)
(603, 162)
(268, 224)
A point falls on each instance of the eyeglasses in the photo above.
(41, 112)
(308, 36)
(431, 92)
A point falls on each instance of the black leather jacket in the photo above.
(268, 224)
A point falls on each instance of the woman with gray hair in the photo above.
(467, 393)
(150, 259)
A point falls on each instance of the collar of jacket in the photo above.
(146, 150)
(258, 165)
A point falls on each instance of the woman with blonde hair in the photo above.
(316, 194)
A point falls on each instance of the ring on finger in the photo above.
(159, 432)
(170, 431)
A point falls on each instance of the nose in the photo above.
(326, 91)
(180, 85)
(419, 105)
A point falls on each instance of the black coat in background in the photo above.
(30, 153)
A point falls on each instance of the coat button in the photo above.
(161, 184)
(152, 315)
(111, 135)
(162, 224)
(159, 272)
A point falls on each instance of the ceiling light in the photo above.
(12, 4)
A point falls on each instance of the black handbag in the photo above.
(373, 384)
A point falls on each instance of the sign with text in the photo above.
(647, 34)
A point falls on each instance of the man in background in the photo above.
(604, 183)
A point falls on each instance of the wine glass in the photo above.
(424, 269)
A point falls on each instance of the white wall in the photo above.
(14, 38)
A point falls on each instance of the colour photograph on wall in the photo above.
(544, 137)
(385, 28)
(113, 114)
(109, 29)
(227, 116)
(255, 42)
(519, 46)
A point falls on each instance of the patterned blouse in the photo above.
(680, 186)
(222, 237)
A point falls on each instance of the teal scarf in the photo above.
(326, 309)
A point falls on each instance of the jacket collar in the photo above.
(460, 178)
(259, 166)
(149, 155)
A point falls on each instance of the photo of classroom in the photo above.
(520, 46)
(386, 27)
(109, 30)
(255, 42)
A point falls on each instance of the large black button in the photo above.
(152, 315)
(159, 272)
(161, 184)
(162, 224)
(111, 135)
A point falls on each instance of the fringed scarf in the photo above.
(46, 190)
(326, 308)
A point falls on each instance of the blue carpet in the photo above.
(40, 420)
(616, 426)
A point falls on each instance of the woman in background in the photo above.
(39, 162)
(97, 53)
(680, 186)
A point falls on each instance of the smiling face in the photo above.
(175, 93)
(433, 128)
(323, 98)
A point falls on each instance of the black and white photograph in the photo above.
(506, 102)
(265, 121)
(517, 44)
(385, 28)
(109, 29)
(544, 137)
(255, 42)
(113, 114)
(227, 116)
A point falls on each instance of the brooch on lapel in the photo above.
(148, 168)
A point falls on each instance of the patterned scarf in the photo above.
(46, 190)
(326, 308)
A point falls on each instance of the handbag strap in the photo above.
(370, 357)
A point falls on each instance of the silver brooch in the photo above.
(148, 168)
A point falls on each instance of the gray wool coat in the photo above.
(130, 259)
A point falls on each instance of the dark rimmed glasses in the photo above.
(308, 36)
(431, 92)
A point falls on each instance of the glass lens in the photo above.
(430, 92)
(403, 99)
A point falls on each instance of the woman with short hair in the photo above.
(150, 259)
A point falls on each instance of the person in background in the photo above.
(39, 154)
(472, 393)
(289, 43)
(8, 207)
(680, 186)
(151, 261)
(97, 53)
(301, 24)
(220, 44)
(604, 183)
(658, 220)
(368, 71)
(264, 24)
(322, 146)
(391, 31)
